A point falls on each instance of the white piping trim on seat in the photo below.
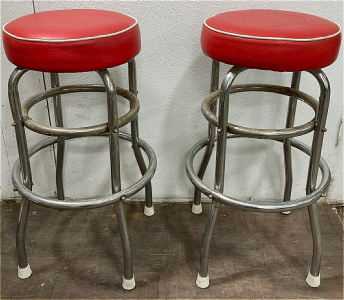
(71, 40)
(271, 38)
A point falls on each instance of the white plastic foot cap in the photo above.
(24, 273)
(313, 281)
(149, 211)
(196, 209)
(202, 282)
(128, 284)
(286, 212)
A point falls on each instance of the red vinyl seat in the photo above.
(271, 40)
(71, 40)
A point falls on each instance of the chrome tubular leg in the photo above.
(60, 140)
(203, 277)
(197, 207)
(295, 84)
(149, 208)
(128, 278)
(24, 270)
(222, 126)
(313, 278)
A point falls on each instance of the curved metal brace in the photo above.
(319, 130)
(263, 133)
(222, 125)
(255, 205)
(84, 203)
(18, 121)
(83, 131)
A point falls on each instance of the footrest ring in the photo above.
(84, 203)
(255, 205)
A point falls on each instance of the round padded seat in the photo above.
(271, 40)
(74, 40)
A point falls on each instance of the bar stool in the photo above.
(281, 41)
(70, 41)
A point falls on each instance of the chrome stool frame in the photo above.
(286, 136)
(111, 129)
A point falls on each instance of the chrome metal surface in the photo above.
(324, 100)
(110, 129)
(295, 84)
(122, 224)
(84, 203)
(20, 233)
(208, 232)
(113, 130)
(316, 235)
(115, 169)
(54, 78)
(262, 133)
(318, 136)
(220, 166)
(313, 193)
(135, 133)
(261, 206)
(77, 132)
(15, 105)
(222, 125)
(24, 186)
(214, 85)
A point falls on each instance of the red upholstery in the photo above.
(271, 40)
(71, 40)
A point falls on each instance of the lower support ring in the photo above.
(255, 205)
(84, 203)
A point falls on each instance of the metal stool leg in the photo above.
(24, 270)
(60, 140)
(295, 84)
(313, 278)
(149, 208)
(128, 278)
(214, 85)
(203, 277)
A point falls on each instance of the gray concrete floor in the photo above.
(77, 254)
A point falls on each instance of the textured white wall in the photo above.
(173, 79)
